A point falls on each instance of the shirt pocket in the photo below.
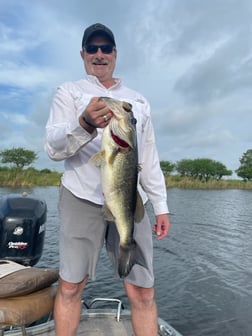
(81, 100)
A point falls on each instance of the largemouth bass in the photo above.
(118, 161)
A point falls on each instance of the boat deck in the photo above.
(97, 322)
(105, 325)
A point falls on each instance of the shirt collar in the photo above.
(96, 81)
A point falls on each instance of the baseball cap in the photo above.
(96, 29)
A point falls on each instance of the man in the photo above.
(73, 134)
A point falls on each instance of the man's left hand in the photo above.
(162, 226)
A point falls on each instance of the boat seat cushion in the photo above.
(22, 310)
(26, 281)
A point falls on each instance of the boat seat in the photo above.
(23, 310)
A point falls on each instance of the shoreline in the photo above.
(34, 178)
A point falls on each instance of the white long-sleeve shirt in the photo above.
(67, 140)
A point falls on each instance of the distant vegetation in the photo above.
(186, 173)
(245, 169)
(204, 170)
(198, 169)
(177, 181)
(12, 177)
(18, 157)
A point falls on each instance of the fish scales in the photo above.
(121, 192)
(118, 161)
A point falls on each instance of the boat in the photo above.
(95, 321)
(21, 217)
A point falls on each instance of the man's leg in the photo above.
(81, 234)
(67, 307)
(143, 310)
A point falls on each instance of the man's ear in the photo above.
(82, 54)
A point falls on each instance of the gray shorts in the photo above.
(82, 235)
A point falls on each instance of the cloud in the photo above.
(191, 59)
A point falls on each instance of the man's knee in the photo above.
(140, 295)
(69, 291)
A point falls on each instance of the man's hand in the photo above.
(95, 115)
(162, 226)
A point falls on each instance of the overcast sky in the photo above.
(192, 59)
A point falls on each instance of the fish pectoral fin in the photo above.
(107, 214)
(97, 158)
(139, 212)
(113, 155)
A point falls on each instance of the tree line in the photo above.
(204, 169)
(201, 168)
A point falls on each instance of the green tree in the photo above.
(220, 170)
(202, 169)
(185, 167)
(245, 169)
(167, 167)
(19, 157)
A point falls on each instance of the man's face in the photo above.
(99, 64)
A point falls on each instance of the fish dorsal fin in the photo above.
(139, 213)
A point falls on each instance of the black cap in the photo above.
(97, 28)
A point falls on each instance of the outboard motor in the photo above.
(22, 228)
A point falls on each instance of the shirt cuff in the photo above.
(160, 208)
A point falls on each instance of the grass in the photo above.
(29, 178)
(10, 177)
(176, 181)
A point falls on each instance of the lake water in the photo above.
(203, 269)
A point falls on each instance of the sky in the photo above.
(192, 60)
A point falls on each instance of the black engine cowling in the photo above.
(22, 228)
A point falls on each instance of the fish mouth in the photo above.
(120, 142)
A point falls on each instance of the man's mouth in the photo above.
(99, 63)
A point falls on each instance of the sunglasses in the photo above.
(105, 48)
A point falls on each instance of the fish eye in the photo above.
(133, 121)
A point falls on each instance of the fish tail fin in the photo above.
(129, 256)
